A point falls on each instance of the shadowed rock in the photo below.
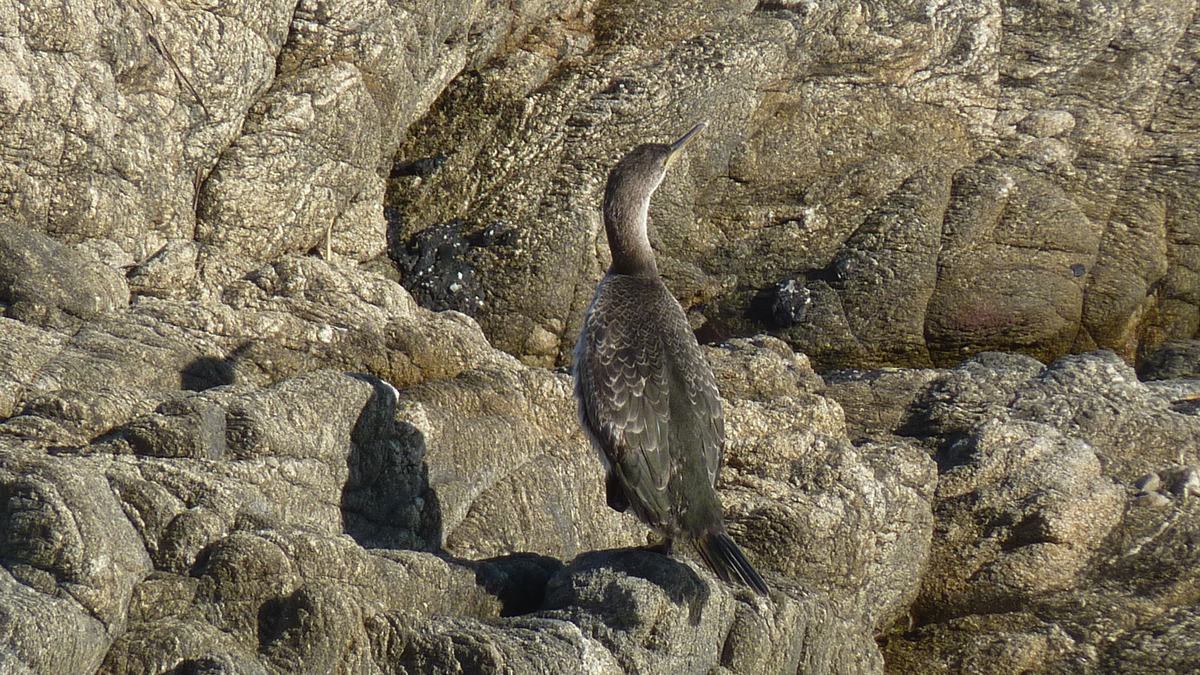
(46, 283)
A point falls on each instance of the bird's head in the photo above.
(644, 167)
(627, 201)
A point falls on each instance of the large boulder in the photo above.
(1065, 518)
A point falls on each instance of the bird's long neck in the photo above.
(626, 207)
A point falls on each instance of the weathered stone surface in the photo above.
(580, 119)
(302, 122)
(1007, 267)
(43, 282)
(635, 603)
(788, 480)
(1179, 358)
(109, 140)
(50, 634)
(1168, 644)
(1065, 526)
(1021, 510)
(226, 446)
(268, 499)
(877, 401)
(169, 273)
(965, 201)
(1132, 428)
(762, 368)
(936, 182)
(776, 440)
(140, 125)
(311, 471)
(977, 194)
(24, 349)
(70, 560)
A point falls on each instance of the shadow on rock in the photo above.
(206, 372)
(387, 501)
(518, 580)
(589, 582)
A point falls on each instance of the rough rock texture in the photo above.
(254, 129)
(1177, 358)
(232, 441)
(43, 282)
(881, 183)
(312, 472)
(236, 483)
(1066, 518)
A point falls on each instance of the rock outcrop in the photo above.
(283, 284)
(238, 483)
(314, 472)
(881, 184)
(1065, 516)
(891, 184)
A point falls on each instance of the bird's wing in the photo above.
(705, 403)
(624, 390)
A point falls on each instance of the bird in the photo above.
(646, 396)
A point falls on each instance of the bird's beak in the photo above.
(683, 142)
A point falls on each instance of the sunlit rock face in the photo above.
(284, 288)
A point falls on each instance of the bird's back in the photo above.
(650, 403)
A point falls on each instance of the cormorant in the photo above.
(647, 398)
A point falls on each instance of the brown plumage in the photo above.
(647, 397)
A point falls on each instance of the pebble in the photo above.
(1188, 483)
(1155, 500)
(1148, 483)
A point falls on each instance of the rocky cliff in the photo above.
(283, 285)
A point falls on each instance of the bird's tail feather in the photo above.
(724, 558)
